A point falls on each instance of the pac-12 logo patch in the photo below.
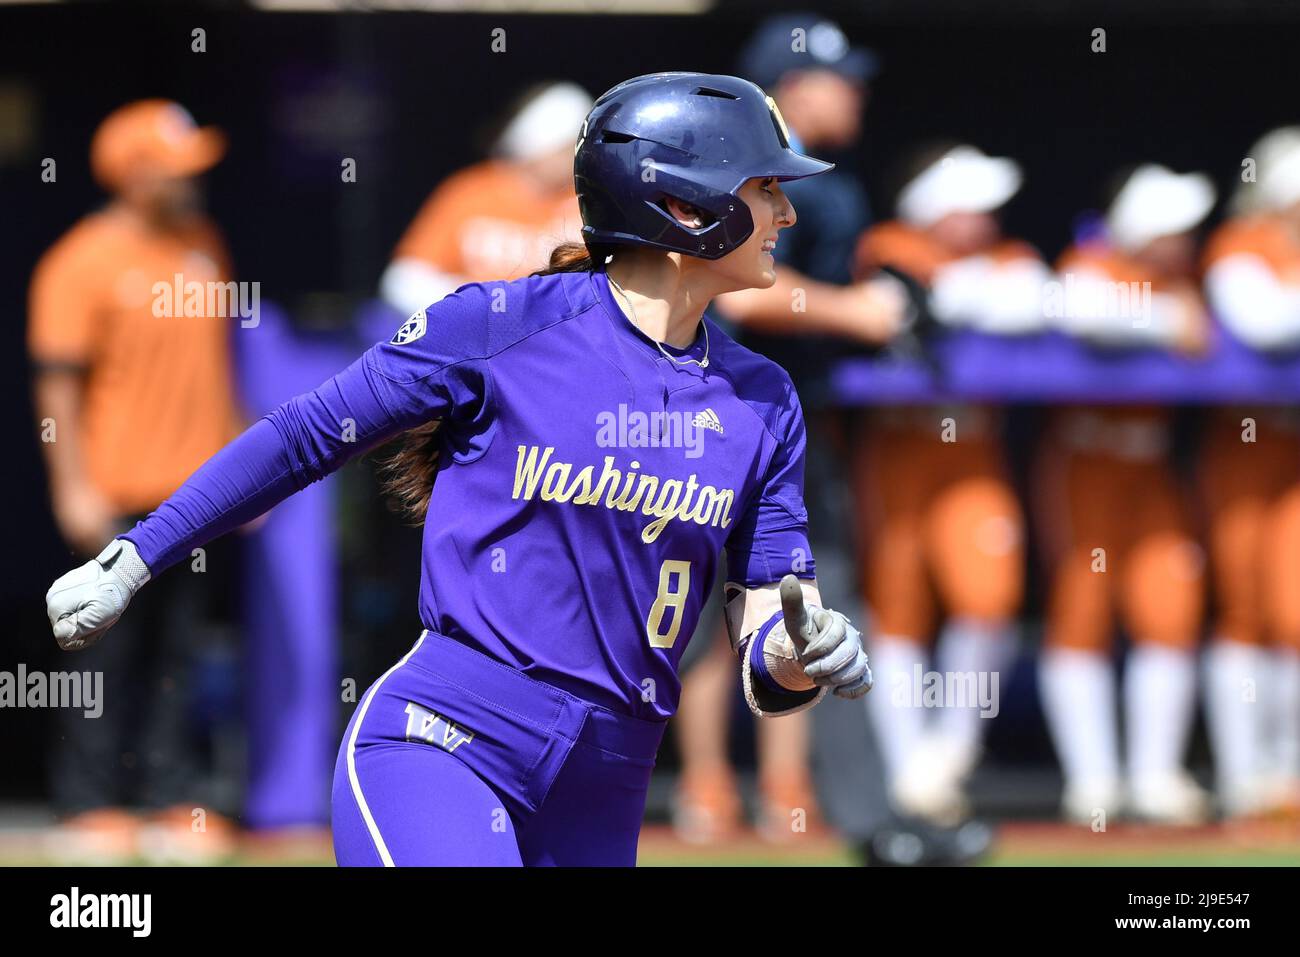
(411, 329)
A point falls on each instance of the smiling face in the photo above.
(751, 265)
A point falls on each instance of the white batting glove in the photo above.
(826, 644)
(84, 603)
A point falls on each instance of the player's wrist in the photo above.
(763, 701)
(773, 660)
(122, 558)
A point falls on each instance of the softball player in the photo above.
(1248, 468)
(1117, 534)
(942, 529)
(569, 547)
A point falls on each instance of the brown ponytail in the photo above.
(406, 477)
(575, 257)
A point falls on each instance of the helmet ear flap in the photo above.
(726, 221)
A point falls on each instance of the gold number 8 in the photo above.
(669, 598)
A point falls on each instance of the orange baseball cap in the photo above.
(158, 135)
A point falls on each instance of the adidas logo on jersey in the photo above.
(708, 419)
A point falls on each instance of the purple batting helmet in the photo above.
(693, 136)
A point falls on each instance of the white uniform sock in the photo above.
(1235, 706)
(1078, 689)
(970, 646)
(899, 719)
(1159, 695)
(1283, 710)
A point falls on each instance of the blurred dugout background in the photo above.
(414, 96)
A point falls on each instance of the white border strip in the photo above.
(375, 836)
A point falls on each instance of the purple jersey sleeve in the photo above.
(433, 368)
(771, 539)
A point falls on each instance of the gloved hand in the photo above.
(827, 646)
(84, 603)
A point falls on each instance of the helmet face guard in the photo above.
(695, 137)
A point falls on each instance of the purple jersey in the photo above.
(586, 485)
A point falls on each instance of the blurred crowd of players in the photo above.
(913, 514)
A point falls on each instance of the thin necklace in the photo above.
(702, 363)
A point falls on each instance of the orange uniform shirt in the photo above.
(159, 396)
(912, 251)
(1114, 265)
(488, 222)
(1262, 236)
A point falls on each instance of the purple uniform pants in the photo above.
(454, 758)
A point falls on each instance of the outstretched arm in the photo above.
(298, 443)
(393, 387)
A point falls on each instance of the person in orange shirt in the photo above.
(1249, 470)
(1116, 529)
(132, 395)
(941, 528)
(500, 218)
